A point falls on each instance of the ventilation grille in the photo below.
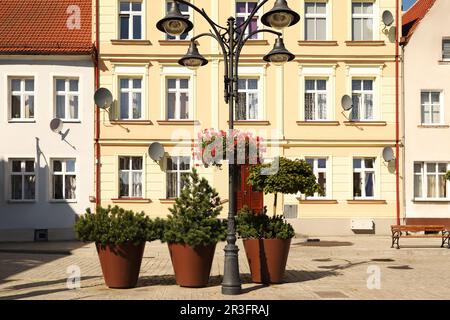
(290, 211)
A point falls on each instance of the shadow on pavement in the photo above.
(324, 244)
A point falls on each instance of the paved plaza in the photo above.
(355, 267)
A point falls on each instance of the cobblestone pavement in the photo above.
(334, 268)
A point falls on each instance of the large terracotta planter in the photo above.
(267, 259)
(192, 265)
(120, 264)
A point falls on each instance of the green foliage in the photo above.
(291, 177)
(114, 225)
(447, 175)
(260, 226)
(193, 219)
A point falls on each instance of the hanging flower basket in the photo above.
(240, 147)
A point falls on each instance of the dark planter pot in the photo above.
(120, 264)
(192, 265)
(267, 259)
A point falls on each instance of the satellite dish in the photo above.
(103, 98)
(156, 151)
(347, 102)
(388, 18)
(56, 125)
(388, 154)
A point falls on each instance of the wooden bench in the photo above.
(402, 231)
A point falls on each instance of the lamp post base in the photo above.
(231, 284)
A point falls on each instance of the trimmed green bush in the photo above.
(193, 219)
(260, 226)
(114, 225)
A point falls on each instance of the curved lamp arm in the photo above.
(239, 48)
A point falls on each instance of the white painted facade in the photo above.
(34, 140)
(427, 141)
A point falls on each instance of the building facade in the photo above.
(426, 46)
(340, 47)
(46, 72)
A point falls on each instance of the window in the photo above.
(362, 21)
(177, 99)
(446, 49)
(184, 9)
(177, 168)
(23, 180)
(248, 105)
(315, 21)
(66, 97)
(363, 177)
(362, 94)
(130, 177)
(431, 102)
(315, 99)
(319, 166)
(130, 20)
(130, 98)
(243, 11)
(64, 179)
(429, 180)
(22, 98)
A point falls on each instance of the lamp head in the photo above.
(279, 54)
(280, 16)
(174, 23)
(193, 59)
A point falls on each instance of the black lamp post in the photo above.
(231, 40)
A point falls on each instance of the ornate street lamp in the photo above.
(231, 40)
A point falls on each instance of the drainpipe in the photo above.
(397, 129)
(97, 111)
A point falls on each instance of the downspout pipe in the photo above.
(397, 115)
(97, 111)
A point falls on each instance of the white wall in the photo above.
(425, 71)
(18, 220)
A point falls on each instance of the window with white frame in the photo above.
(22, 179)
(130, 177)
(364, 177)
(431, 107)
(320, 167)
(185, 11)
(64, 179)
(362, 21)
(130, 20)
(243, 11)
(177, 98)
(362, 94)
(176, 169)
(446, 49)
(130, 98)
(315, 99)
(429, 180)
(248, 107)
(67, 99)
(315, 21)
(22, 98)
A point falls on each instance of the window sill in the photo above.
(317, 43)
(167, 201)
(176, 42)
(71, 120)
(131, 122)
(21, 201)
(62, 201)
(366, 201)
(366, 123)
(131, 42)
(21, 121)
(364, 43)
(131, 200)
(317, 201)
(251, 122)
(178, 122)
(431, 200)
(443, 61)
(257, 42)
(318, 123)
(436, 126)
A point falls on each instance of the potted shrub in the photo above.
(119, 237)
(192, 231)
(267, 239)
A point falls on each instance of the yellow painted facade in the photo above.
(281, 101)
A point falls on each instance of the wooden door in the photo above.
(245, 195)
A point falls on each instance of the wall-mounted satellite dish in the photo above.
(156, 151)
(388, 18)
(388, 154)
(347, 102)
(56, 125)
(103, 98)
